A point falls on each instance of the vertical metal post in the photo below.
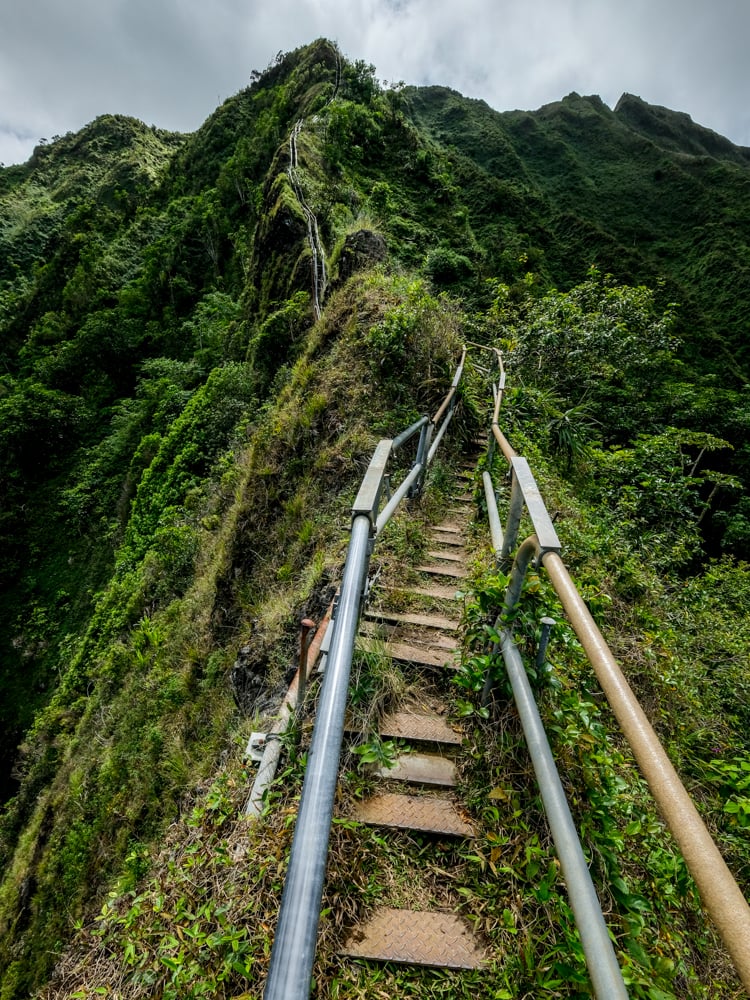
(525, 554)
(541, 653)
(514, 518)
(304, 644)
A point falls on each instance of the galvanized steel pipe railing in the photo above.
(293, 952)
(606, 977)
(601, 961)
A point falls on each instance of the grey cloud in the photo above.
(169, 62)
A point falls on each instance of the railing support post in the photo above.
(425, 437)
(514, 519)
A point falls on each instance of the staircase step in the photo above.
(420, 728)
(444, 538)
(449, 528)
(421, 769)
(443, 570)
(412, 937)
(446, 555)
(420, 655)
(409, 618)
(425, 813)
(436, 591)
(395, 636)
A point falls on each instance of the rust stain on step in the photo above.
(412, 937)
(419, 727)
(426, 813)
(409, 618)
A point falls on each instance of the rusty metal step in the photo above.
(421, 769)
(412, 937)
(448, 556)
(438, 537)
(423, 813)
(437, 592)
(409, 618)
(423, 728)
(421, 655)
(442, 570)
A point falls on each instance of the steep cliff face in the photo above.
(199, 334)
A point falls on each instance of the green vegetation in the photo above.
(180, 440)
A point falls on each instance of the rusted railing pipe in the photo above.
(504, 444)
(719, 892)
(272, 750)
(439, 436)
(306, 625)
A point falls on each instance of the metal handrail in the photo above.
(293, 952)
(718, 889)
(601, 961)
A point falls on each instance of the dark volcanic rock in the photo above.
(361, 249)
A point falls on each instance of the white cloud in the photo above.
(170, 62)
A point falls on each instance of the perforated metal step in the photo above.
(426, 813)
(416, 937)
(418, 727)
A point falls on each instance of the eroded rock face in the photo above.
(248, 680)
(361, 249)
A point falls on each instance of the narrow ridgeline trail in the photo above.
(406, 906)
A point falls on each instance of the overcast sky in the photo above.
(170, 62)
